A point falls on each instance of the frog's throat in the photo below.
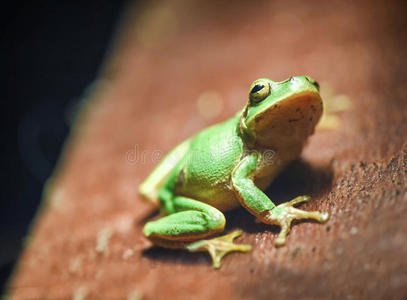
(248, 136)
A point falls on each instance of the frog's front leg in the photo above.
(255, 201)
(190, 222)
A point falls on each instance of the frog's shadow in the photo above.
(299, 178)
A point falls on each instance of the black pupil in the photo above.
(257, 88)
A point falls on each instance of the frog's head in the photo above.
(281, 115)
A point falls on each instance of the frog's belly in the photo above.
(218, 195)
(207, 178)
(211, 183)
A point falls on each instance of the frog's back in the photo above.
(207, 167)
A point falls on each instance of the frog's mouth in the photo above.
(288, 123)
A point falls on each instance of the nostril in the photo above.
(312, 81)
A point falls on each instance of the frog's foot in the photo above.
(285, 213)
(219, 247)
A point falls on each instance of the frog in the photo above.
(230, 165)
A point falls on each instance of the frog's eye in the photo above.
(259, 90)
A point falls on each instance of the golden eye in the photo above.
(259, 90)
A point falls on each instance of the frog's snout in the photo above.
(313, 82)
(298, 82)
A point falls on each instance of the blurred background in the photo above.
(50, 53)
(187, 64)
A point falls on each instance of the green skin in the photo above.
(230, 164)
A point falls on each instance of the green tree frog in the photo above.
(231, 164)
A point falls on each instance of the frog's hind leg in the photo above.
(191, 222)
(150, 187)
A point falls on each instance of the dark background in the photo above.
(51, 51)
